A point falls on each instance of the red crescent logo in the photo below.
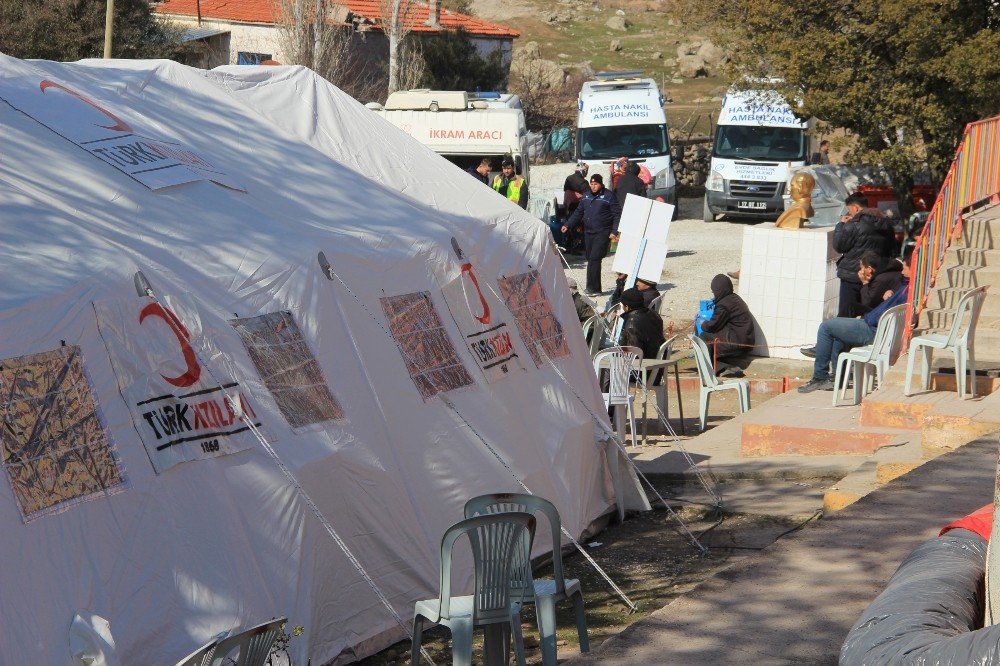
(485, 318)
(193, 371)
(119, 124)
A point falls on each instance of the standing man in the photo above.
(863, 229)
(630, 183)
(481, 172)
(511, 185)
(600, 213)
(575, 187)
(822, 156)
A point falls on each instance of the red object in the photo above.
(979, 521)
(644, 175)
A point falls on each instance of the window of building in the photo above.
(247, 58)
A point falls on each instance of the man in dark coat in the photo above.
(861, 230)
(630, 183)
(584, 309)
(481, 171)
(730, 331)
(641, 327)
(880, 278)
(648, 291)
(575, 187)
(599, 211)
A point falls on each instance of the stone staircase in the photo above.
(972, 261)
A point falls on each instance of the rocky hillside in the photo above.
(602, 35)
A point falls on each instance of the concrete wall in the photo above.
(246, 37)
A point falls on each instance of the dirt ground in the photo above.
(649, 557)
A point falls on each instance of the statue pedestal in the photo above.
(788, 278)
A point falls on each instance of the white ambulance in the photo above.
(621, 115)
(462, 127)
(759, 141)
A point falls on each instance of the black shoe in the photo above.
(817, 384)
(808, 351)
(591, 292)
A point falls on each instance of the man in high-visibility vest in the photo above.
(511, 185)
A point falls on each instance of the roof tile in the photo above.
(262, 11)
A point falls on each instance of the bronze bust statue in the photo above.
(801, 209)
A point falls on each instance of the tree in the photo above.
(547, 94)
(68, 30)
(904, 77)
(396, 17)
(453, 63)
(316, 34)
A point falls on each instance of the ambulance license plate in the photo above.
(752, 205)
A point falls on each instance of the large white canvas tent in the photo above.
(132, 489)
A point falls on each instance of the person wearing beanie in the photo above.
(730, 331)
(648, 289)
(641, 327)
(510, 185)
(599, 212)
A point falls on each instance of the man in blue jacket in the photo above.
(844, 333)
(600, 212)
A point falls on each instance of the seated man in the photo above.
(616, 295)
(640, 327)
(844, 333)
(880, 277)
(730, 331)
(648, 289)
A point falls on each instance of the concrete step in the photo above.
(944, 421)
(938, 319)
(852, 487)
(811, 427)
(978, 234)
(971, 256)
(947, 299)
(969, 277)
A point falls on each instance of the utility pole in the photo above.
(109, 21)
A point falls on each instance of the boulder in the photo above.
(691, 67)
(529, 50)
(685, 49)
(711, 54)
(616, 45)
(618, 23)
(657, 55)
(537, 70)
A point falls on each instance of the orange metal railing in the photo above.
(974, 176)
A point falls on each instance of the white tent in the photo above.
(131, 490)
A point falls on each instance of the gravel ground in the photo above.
(697, 251)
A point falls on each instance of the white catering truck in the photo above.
(759, 141)
(621, 115)
(462, 127)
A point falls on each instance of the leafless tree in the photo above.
(318, 35)
(397, 17)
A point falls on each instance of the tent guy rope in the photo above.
(332, 274)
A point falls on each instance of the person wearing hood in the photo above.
(730, 331)
(630, 183)
(880, 278)
(863, 229)
(641, 327)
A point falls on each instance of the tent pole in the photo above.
(109, 26)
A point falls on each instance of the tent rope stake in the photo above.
(144, 289)
(621, 448)
(628, 602)
(332, 274)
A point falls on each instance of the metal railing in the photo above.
(974, 176)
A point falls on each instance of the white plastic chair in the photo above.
(501, 553)
(657, 382)
(593, 332)
(654, 305)
(548, 592)
(254, 646)
(960, 341)
(879, 355)
(622, 363)
(710, 383)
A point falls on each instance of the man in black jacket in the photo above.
(630, 183)
(730, 331)
(880, 278)
(861, 230)
(600, 213)
(641, 327)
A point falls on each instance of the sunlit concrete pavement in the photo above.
(795, 602)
